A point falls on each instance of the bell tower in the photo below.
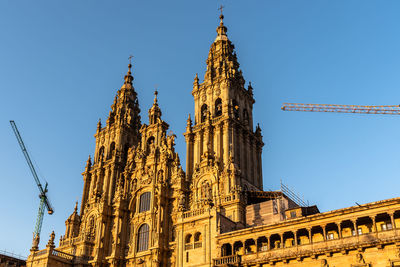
(223, 119)
(102, 178)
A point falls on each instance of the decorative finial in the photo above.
(99, 125)
(130, 64)
(221, 30)
(189, 122)
(222, 15)
(155, 96)
(250, 88)
(76, 207)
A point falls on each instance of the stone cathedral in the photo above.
(140, 207)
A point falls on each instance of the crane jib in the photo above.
(42, 194)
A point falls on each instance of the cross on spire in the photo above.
(130, 59)
(221, 9)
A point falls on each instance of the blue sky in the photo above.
(61, 63)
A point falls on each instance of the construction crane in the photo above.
(388, 110)
(44, 201)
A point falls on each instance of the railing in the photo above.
(12, 255)
(62, 254)
(334, 245)
(188, 246)
(227, 260)
(197, 244)
(192, 213)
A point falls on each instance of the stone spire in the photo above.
(125, 108)
(154, 111)
(221, 29)
(222, 62)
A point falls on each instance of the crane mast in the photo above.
(44, 201)
(388, 110)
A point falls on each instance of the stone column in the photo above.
(374, 224)
(309, 235)
(392, 220)
(355, 227)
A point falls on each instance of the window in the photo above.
(144, 202)
(359, 231)
(330, 236)
(101, 154)
(204, 113)
(188, 242)
(218, 107)
(143, 238)
(293, 214)
(112, 149)
(197, 240)
(386, 226)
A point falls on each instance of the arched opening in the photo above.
(262, 243)
(347, 228)
(288, 239)
(250, 246)
(188, 242)
(275, 241)
(218, 107)
(383, 222)
(204, 113)
(332, 231)
(226, 250)
(317, 234)
(143, 238)
(364, 225)
(197, 240)
(396, 217)
(303, 237)
(144, 204)
(111, 150)
(100, 156)
(238, 248)
(150, 144)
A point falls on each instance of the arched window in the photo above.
(143, 238)
(188, 242)
(101, 154)
(218, 107)
(204, 113)
(197, 240)
(111, 151)
(144, 204)
(197, 237)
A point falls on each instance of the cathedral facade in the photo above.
(140, 208)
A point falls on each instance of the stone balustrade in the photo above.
(223, 261)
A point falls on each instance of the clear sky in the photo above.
(61, 63)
